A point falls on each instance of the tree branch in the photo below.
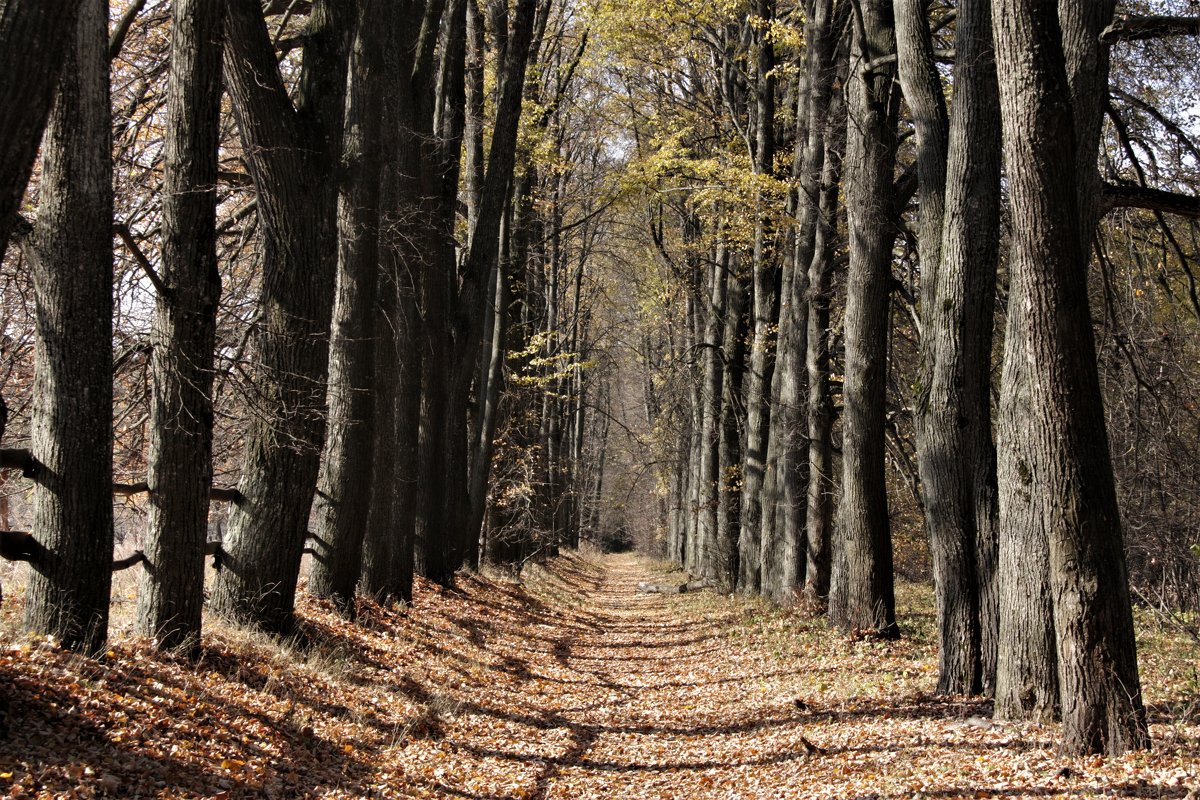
(122, 230)
(229, 495)
(1130, 28)
(21, 546)
(1122, 196)
(19, 459)
(117, 40)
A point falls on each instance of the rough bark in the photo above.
(958, 195)
(765, 308)
(1063, 462)
(712, 382)
(32, 32)
(343, 490)
(733, 346)
(781, 546)
(441, 490)
(862, 593)
(292, 151)
(70, 256)
(821, 488)
(171, 588)
(472, 294)
(489, 408)
(404, 234)
(381, 541)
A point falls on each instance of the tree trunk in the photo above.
(709, 477)
(36, 32)
(404, 244)
(959, 187)
(1063, 462)
(733, 346)
(379, 578)
(821, 488)
(70, 256)
(343, 487)
(862, 595)
(171, 589)
(489, 406)
(292, 152)
(766, 318)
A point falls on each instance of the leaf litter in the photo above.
(570, 684)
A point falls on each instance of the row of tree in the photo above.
(316, 290)
(838, 193)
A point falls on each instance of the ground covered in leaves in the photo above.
(568, 685)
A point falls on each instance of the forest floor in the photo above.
(570, 684)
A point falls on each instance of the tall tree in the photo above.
(765, 308)
(958, 233)
(827, 185)
(70, 255)
(171, 591)
(344, 486)
(292, 150)
(862, 593)
(1063, 464)
(464, 330)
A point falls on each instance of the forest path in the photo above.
(627, 694)
(569, 684)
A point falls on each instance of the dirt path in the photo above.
(625, 694)
(609, 693)
(614, 693)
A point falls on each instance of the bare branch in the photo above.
(126, 235)
(1130, 28)
(1124, 196)
(117, 40)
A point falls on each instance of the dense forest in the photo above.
(329, 295)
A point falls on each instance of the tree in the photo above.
(765, 311)
(171, 590)
(344, 487)
(444, 533)
(31, 32)
(862, 594)
(959, 200)
(292, 151)
(70, 254)
(1062, 466)
(819, 408)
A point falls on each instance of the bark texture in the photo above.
(343, 487)
(31, 32)
(958, 194)
(291, 151)
(70, 255)
(171, 590)
(1063, 462)
(765, 312)
(862, 592)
